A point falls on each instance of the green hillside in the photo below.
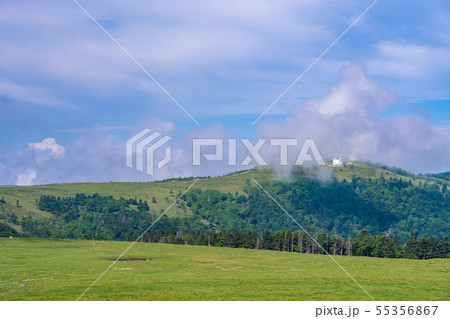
(37, 269)
(334, 200)
(163, 190)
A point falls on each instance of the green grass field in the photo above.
(38, 269)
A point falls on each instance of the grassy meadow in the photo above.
(39, 269)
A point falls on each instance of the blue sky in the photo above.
(70, 97)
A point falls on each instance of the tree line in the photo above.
(97, 217)
(309, 242)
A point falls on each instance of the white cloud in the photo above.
(27, 177)
(30, 94)
(156, 124)
(342, 98)
(345, 121)
(50, 144)
(411, 61)
(97, 155)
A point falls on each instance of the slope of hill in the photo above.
(27, 196)
(343, 200)
(163, 191)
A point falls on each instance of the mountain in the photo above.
(343, 200)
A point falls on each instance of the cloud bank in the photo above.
(347, 122)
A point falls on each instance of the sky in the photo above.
(70, 97)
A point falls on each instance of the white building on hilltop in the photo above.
(338, 162)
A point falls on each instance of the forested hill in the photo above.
(355, 198)
(390, 206)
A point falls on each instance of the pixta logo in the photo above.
(141, 148)
(253, 150)
(144, 145)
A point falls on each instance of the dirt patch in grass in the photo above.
(129, 259)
